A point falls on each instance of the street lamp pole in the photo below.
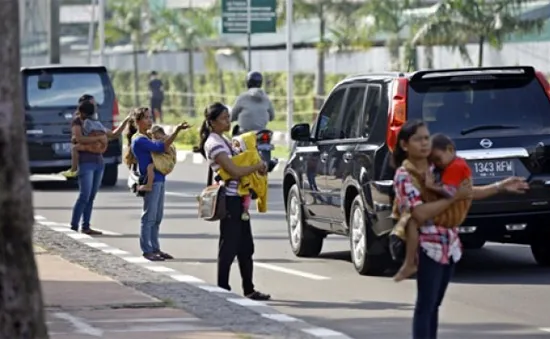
(289, 70)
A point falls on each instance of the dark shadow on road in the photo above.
(72, 185)
(254, 217)
(263, 260)
(354, 305)
(137, 208)
(194, 236)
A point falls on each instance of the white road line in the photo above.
(79, 236)
(290, 271)
(114, 251)
(136, 260)
(97, 244)
(80, 326)
(143, 320)
(61, 229)
(215, 289)
(246, 302)
(182, 195)
(197, 158)
(545, 329)
(39, 218)
(160, 269)
(280, 317)
(52, 223)
(323, 332)
(186, 278)
(48, 177)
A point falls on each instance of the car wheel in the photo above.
(110, 175)
(305, 241)
(541, 253)
(473, 244)
(363, 262)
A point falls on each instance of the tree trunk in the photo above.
(393, 49)
(320, 76)
(480, 54)
(136, 75)
(191, 82)
(429, 54)
(21, 308)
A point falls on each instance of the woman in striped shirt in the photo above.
(235, 233)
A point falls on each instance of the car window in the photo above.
(372, 105)
(353, 109)
(65, 90)
(520, 105)
(328, 118)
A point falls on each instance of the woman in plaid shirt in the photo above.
(440, 247)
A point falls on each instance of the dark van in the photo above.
(51, 96)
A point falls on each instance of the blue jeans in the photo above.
(89, 180)
(432, 280)
(151, 217)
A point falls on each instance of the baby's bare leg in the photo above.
(150, 177)
(409, 265)
(74, 158)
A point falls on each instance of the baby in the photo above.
(247, 199)
(87, 117)
(455, 172)
(162, 162)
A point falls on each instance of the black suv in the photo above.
(51, 95)
(339, 178)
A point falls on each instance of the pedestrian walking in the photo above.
(156, 93)
(90, 165)
(440, 247)
(235, 233)
(139, 151)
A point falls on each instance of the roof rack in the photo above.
(393, 74)
(524, 70)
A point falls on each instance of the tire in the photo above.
(473, 243)
(110, 176)
(304, 240)
(359, 241)
(541, 253)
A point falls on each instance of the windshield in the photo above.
(65, 89)
(481, 107)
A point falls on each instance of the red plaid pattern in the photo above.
(439, 243)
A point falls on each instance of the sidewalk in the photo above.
(82, 304)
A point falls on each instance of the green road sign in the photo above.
(262, 12)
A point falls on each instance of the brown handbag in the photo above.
(212, 205)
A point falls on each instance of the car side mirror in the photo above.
(300, 132)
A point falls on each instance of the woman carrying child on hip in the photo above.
(139, 151)
(90, 141)
(439, 246)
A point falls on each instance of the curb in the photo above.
(221, 308)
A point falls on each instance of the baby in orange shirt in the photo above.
(456, 172)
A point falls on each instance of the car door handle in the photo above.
(324, 157)
(347, 156)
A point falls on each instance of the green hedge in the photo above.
(224, 87)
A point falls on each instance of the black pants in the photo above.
(235, 241)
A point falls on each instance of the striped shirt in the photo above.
(216, 144)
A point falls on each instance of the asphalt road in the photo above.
(497, 291)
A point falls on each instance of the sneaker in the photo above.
(90, 231)
(256, 295)
(69, 174)
(164, 255)
(153, 257)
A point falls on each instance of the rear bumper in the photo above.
(518, 228)
(53, 166)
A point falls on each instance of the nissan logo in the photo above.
(486, 143)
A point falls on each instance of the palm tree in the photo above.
(458, 21)
(389, 17)
(126, 25)
(191, 31)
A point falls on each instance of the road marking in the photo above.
(186, 278)
(61, 229)
(545, 329)
(157, 268)
(114, 251)
(80, 325)
(79, 236)
(182, 195)
(97, 244)
(280, 317)
(39, 218)
(144, 320)
(323, 332)
(198, 158)
(216, 289)
(136, 260)
(48, 177)
(246, 302)
(52, 223)
(290, 271)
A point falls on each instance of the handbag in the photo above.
(135, 179)
(212, 204)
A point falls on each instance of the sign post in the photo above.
(249, 17)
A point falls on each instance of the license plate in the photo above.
(62, 148)
(492, 168)
(265, 147)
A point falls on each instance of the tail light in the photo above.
(398, 111)
(542, 79)
(116, 114)
(265, 138)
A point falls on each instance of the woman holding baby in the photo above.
(439, 246)
(90, 141)
(235, 232)
(139, 151)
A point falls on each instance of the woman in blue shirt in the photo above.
(139, 152)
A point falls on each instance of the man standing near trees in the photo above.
(156, 92)
(21, 305)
